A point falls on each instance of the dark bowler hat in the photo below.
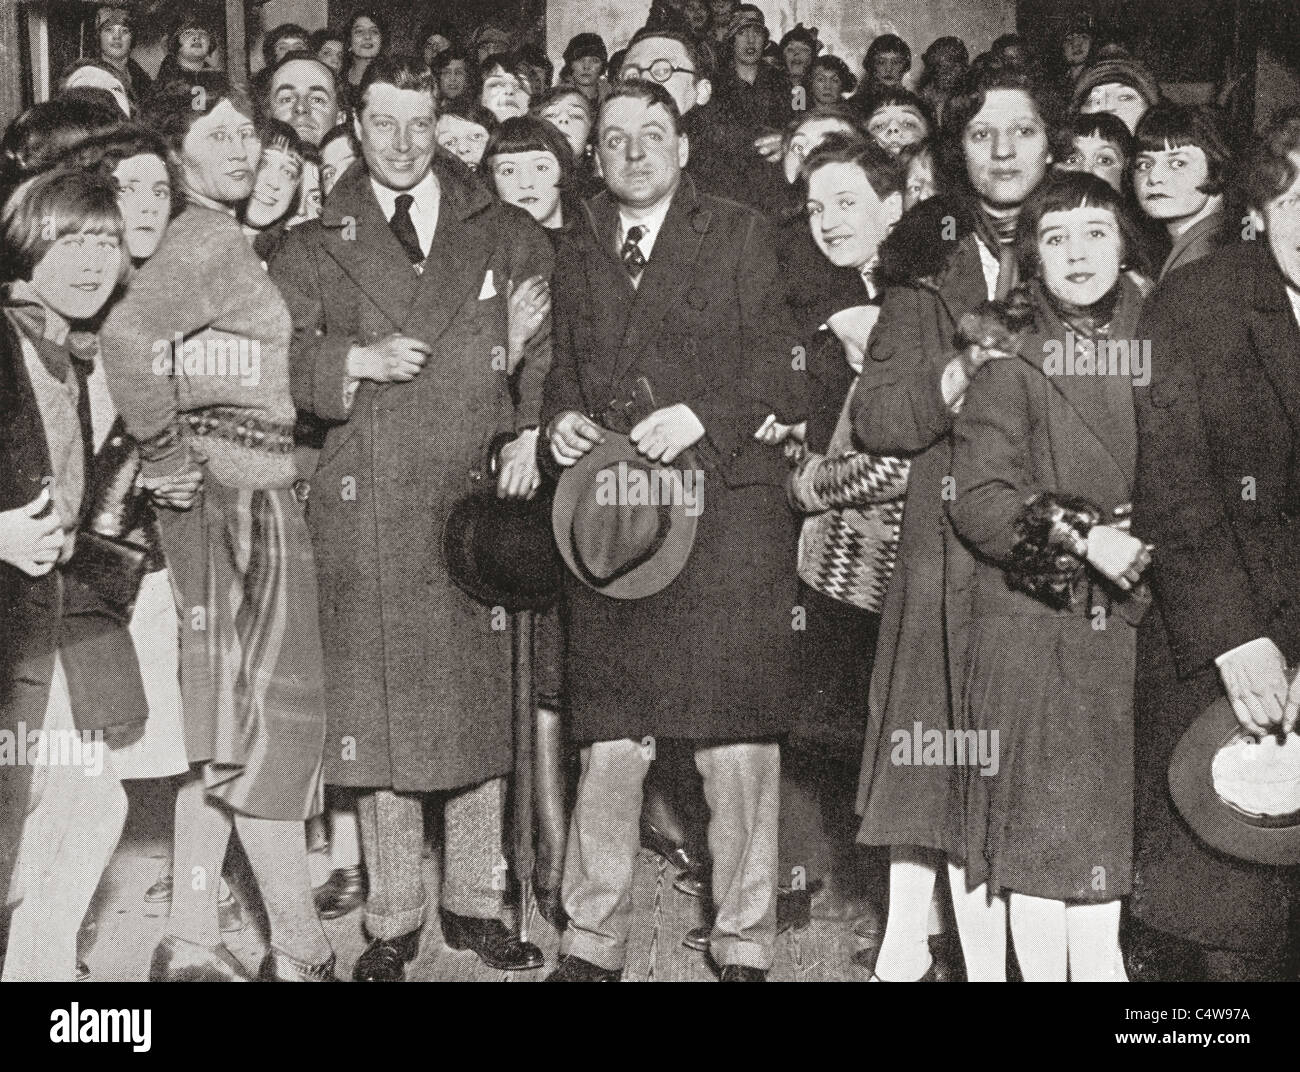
(1261, 821)
(500, 552)
(622, 549)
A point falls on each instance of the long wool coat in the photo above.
(714, 654)
(934, 278)
(1054, 818)
(417, 675)
(1218, 492)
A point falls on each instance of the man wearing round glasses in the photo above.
(722, 160)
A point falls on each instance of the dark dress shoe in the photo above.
(496, 945)
(178, 961)
(385, 959)
(341, 893)
(573, 969)
(742, 973)
(278, 967)
(697, 938)
(693, 876)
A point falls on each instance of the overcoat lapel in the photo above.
(1276, 337)
(366, 248)
(1113, 426)
(667, 274)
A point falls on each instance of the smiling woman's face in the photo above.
(1080, 251)
(275, 190)
(220, 155)
(78, 273)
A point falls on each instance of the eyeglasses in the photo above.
(660, 71)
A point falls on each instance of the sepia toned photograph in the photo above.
(688, 491)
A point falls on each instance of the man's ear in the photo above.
(683, 149)
(703, 92)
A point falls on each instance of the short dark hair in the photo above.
(472, 112)
(848, 80)
(400, 70)
(527, 134)
(74, 201)
(651, 93)
(1170, 126)
(1065, 190)
(100, 155)
(1267, 171)
(886, 43)
(175, 108)
(689, 46)
(267, 76)
(278, 34)
(342, 131)
(926, 147)
(880, 167)
(898, 96)
(981, 80)
(840, 112)
(320, 38)
(512, 63)
(1104, 125)
(277, 134)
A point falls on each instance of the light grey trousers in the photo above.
(742, 787)
(392, 844)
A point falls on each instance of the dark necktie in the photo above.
(404, 229)
(633, 258)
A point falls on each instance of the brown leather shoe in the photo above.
(177, 961)
(385, 959)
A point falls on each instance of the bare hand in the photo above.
(393, 359)
(527, 307)
(768, 146)
(1117, 556)
(667, 432)
(28, 542)
(519, 477)
(1255, 681)
(571, 436)
(178, 491)
(771, 431)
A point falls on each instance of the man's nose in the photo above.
(300, 106)
(401, 139)
(635, 150)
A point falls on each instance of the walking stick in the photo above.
(521, 681)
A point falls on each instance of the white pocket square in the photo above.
(487, 290)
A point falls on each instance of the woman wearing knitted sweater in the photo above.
(197, 362)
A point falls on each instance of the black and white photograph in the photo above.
(649, 491)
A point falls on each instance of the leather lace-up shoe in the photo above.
(343, 892)
(573, 969)
(742, 973)
(385, 959)
(496, 945)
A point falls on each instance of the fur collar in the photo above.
(921, 245)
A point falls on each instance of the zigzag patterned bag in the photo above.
(848, 547)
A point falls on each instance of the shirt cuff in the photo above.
(1250, 645)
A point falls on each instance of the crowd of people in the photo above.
(294, 373)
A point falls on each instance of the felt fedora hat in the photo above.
(1260, 832)
(623, 524)
(500, 552)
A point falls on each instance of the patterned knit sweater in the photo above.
(197, 357)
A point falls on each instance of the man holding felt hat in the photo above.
(672, 343)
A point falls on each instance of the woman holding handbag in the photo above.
(854, 506)
(68, 675)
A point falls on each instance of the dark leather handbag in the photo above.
(111, 557)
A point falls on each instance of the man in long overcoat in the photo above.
(1218, 493)
(398, 295)
(681, 289)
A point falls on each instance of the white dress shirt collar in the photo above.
(424, 208)
(650, 224)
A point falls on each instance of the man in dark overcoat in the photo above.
(681, 289)
(398, 295)
(1218, 493)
